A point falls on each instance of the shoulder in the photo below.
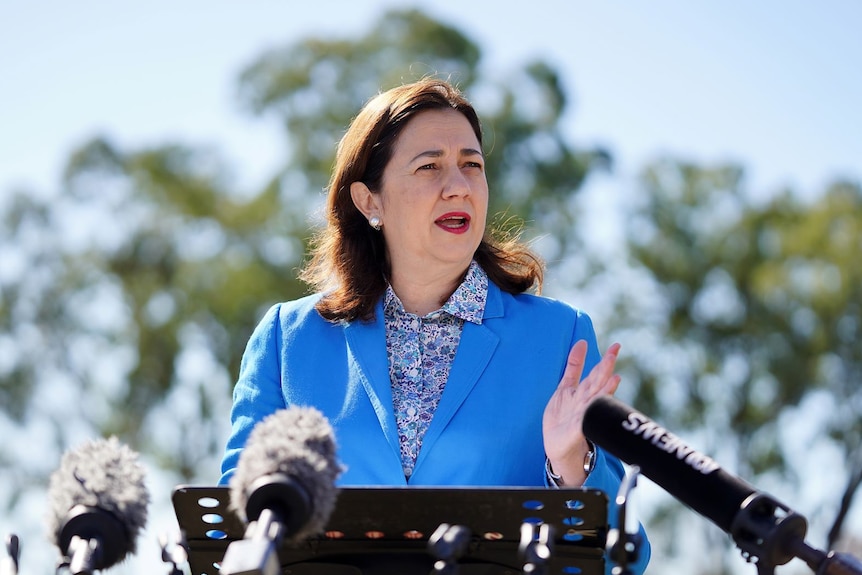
(537, 306)
(547, 319)
(293, 325)
(541, 316)
(293, 316)
(301, 309)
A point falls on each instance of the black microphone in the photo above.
(690, 476)
(763, 528)
(98, 505)
(284, 485)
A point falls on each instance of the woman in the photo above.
(421, 345)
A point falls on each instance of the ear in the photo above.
(364, 199)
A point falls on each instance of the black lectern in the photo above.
(392, 531)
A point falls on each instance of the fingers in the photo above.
(605, 368)
(574, 365)
(600, 380)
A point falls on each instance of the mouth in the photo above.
(457, 222)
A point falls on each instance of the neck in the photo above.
(422, 295)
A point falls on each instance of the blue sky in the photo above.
(773, 85)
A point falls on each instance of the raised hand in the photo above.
(565, 444)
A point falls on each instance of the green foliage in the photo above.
(762, 311)
(144, 259)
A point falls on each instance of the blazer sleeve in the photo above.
(258, 389)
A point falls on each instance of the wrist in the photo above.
(581, 472)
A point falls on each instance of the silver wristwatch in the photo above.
(589, 465)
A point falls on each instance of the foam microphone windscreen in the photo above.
(100, 478)
(289, 462)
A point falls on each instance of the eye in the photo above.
(427, 167)
(473, 165)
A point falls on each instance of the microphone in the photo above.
(763, 528)
(690, 476)
(98, 505)
(284, 485)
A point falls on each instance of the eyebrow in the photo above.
(438, 153)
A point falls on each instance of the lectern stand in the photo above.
(386, 531)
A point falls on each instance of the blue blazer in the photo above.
(487, 430)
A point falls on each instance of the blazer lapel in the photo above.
(475, 350)
(366, 343)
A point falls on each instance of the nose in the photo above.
(456, 183)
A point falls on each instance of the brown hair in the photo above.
(348, 257)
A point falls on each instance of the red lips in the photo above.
(454, 222)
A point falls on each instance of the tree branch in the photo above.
(846, 501)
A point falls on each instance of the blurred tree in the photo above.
(315, 87)
(136, 287)
(759, 315)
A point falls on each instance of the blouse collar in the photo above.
(466, 303)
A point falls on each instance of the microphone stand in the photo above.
(535, 547)
(622, 547)
(257, 552)
(772, 534)
(448, 543)
(174, 552)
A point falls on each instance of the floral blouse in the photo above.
(421, 351)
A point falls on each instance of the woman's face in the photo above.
(433, 200)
